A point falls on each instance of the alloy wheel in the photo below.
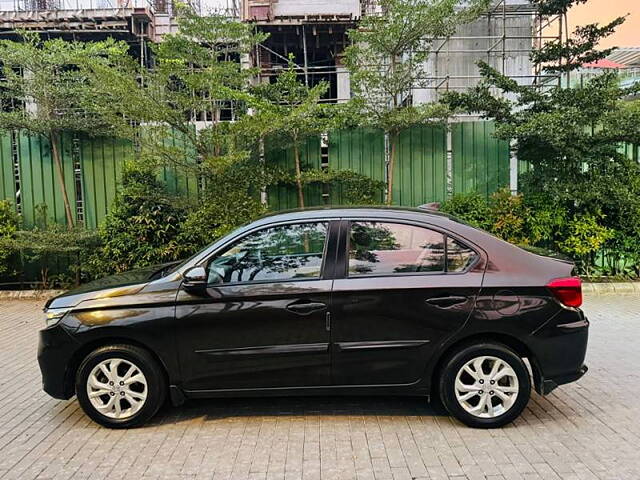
(486, 387)
(117, 388)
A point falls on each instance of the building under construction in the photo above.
(315, 33)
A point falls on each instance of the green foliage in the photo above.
(9, 223)
(49, 246)
(509, 216)
(142, 226)
(355, 188)
(387, 58)
(53, 76)
(583, 193)
(227, 203)
(9, 219)
(470, 207)
(286, 113)
(585, 237)
(54, 249)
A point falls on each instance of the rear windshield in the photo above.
(545, 252)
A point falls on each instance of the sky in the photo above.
(603, 11)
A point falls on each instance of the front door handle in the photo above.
(306, 308)
(445, 302)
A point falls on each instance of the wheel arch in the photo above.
(517, 345)
(87, 348)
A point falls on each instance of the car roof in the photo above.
(356, 211)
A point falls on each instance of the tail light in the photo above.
(568, 291)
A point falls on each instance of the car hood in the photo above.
(126, 283)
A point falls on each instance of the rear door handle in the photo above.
(445, 302)
(306, 308)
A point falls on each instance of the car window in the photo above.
(459, 256)
(380, 248)
(284, 252)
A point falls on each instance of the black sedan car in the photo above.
(329, 301)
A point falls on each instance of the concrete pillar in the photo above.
(513, 168)
(343, 81)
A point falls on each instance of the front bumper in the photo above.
(55, 353)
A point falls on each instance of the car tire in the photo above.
(120, 386)
(485, 385)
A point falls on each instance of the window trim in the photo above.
(445, 233)
(329, 221)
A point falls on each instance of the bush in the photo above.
(535, 220)
(585, 237)
(9, 224)
(142, 226)
(59, 254)
(470, 207)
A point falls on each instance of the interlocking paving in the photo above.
(586, 430)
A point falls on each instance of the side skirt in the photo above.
(412, 389)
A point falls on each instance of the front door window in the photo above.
(275, 254)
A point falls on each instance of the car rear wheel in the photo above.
(485, 385)
(120, 386)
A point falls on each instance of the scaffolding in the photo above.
(503, 37)
(512, 29)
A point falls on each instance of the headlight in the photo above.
(53, 315)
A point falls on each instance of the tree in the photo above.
(48, 82)
(170, 112)
(287, 113)
(571, 138)
(196, 73)
(387, 59)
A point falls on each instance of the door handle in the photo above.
(306, 308)
(445, 302)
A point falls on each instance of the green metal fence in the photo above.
(480, 161)
(93, 168)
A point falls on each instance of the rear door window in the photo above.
(385, 248)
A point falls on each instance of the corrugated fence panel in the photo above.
(360, 150)
(178, 182)
(631, 151)
(420, 166)
(7, 183)
(102, 160)
(480, 161)
(283, 197)
(39, 184)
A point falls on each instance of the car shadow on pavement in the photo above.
(224, 408)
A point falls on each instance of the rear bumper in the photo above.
(550, 384)
(560, 348)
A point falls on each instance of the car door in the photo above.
(262, 321)
(400, 290)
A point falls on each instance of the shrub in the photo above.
(509, 217)
(470, 207)
(9, 224)
(142, 226)
(585, 236)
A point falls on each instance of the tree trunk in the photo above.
(53, 139)
(296, 155)
(393, 139)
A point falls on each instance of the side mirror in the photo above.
(195, 279)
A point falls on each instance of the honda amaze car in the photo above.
(330, 301)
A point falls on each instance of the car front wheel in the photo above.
(120, 386)
(485, 385)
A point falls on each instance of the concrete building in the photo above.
(314, 31)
